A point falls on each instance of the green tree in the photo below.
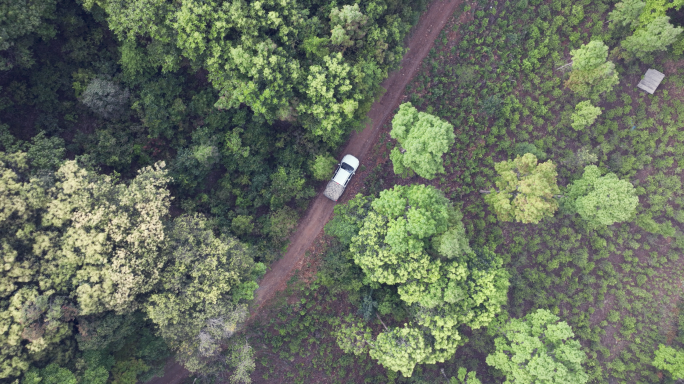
(465, 377)
(626, 13)
(538, 349)
(423, 138)
(602, 200)
(52, 374)
(242, 224)
(412, 237)
(347, 25)
(323, 166)
(655, 36)
(670, 360)
(21, 21)
(288, 184)
(591, 73)
(526, 190)
(286, 60)
(198, 307)
(585, 114)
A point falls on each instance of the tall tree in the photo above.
(538, 349)
(626, 14)
(202, 302)
(423, 138)
(602, 200)
(670, 360)
(591, 73)
(525, 191)
(585, 114)
(656, 36)
(412, 237)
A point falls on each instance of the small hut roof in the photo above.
(651, 81)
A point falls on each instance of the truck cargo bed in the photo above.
(333, 190)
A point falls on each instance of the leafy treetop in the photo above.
(538, 349)
(526, 190)
(602, 200)
(585, 114)
(412, 237)
(424, 138)
(591, 73)
(670, 360)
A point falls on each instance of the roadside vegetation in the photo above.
(520, 219)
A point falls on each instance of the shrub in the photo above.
(323, 167)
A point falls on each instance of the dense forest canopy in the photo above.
(155, 154)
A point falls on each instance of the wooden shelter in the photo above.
(651, 81)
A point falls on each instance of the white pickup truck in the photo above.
(345, 170)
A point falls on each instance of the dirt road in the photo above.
(419, 43)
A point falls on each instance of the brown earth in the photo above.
(419, 44)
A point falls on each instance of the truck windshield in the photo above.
(347, 167)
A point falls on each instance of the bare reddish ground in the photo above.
(419, 44)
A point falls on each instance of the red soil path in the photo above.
(419, 44)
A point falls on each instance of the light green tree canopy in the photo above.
(323, 167)
(655, 36)
(392, 242)
(670, 360)
(655, 9)
(525, 190)
(602, 200)
(412, 237)
(591, 73)
(424, 138)
(347, 25)
(585, 114)
(539, 349)
(626, 13)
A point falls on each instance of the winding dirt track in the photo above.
(419, 42)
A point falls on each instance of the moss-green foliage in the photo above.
(323, 167)
(655, 36)
(591, 74)
(585, 114)
(423, 139)
(411, 239)
(670, 360)
(525, 190)
(602, 200)
(538, 349)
